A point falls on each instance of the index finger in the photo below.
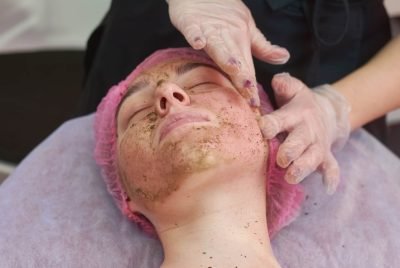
(235, 59)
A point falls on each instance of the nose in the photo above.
(169, 95)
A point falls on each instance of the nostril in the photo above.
(163, 103)
(178, 96)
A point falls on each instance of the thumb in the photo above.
(286, 87)
(263, 50)
(286, 117)
(278, 121)
(270, 125)
(194, 35)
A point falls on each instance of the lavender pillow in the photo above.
(55, 211)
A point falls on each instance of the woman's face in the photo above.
(179, 119)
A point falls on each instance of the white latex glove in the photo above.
(225, 29)
(317, 122)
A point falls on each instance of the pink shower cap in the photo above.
(283, 200)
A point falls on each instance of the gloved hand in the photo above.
(227, 32)
(317, 122)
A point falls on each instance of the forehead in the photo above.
(160, 71)
(166, 70)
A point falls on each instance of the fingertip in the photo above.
(277, 55)
(194, 36)
(246, 85)
(332, 185)
(263, 50)
(281, 159)
(280, 80)
(294, 175)
(285, 85)
(289, 179)
(331, 173)
(269, 126)
(234, 62)
(250, 85)
(255, 101)
(198, 43)
(232, 67)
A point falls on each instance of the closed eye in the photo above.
(137, 113)
(197, 87)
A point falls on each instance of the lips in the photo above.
(176, 120)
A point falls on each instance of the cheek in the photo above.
(235, 116)
(136, 142)
(134, 156)
(129, 153)
(143, 169)
(241, 131)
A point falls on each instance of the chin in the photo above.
(182, 157)
(188, 157)
(206, 148)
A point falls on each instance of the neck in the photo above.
(228, 230)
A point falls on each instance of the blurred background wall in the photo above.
(34, 25)
(41, 58)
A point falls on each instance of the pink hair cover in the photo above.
(283, 199)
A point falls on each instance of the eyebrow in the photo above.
(179, 70)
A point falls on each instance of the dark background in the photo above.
(38, 92)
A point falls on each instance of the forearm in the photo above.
(374, 89)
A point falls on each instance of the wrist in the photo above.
(341, 110)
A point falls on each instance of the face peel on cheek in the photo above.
(174, 161)
(152, 171)
(198, 149)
